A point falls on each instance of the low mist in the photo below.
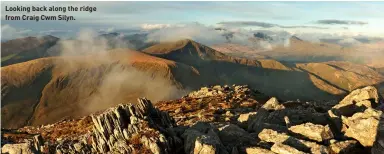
(210, 35)
(120, 82)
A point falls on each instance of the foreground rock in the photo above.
(215, 120)
(285, 149)
(22, 148)
(272, 136)
(363, 126)
(357, 101)
(253, 150)
(202, 138)
(368, 96)
(344, 146)
(314, 132)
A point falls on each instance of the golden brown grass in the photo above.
(166, 47)
(21, 74)
(344, 75)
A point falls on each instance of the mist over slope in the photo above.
(55, 88)
(86, 77)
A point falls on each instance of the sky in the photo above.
(338, 18)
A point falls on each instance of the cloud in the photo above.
(210, 35)
(349, 42)
(247, 23)
(8, 32)
(54, 31)
(263, 25)
(340, 22)
(154, 26)
(195, 31)
(107, 30)
(314, 27)
(116, 82)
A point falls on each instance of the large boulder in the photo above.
(232, 136)
(363, 126)
(261, 119)
(257, 150)
(343, 146)
(285, 149)
(273, 104)
(315, 132)
(202, 138)
(272, 136)
(22, 148)
(367, 96)
(244, 119)
(357, 101)
(206, 144)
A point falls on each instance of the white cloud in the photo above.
(349, 42)
(195, 31)
(154, 26)
(49, 32)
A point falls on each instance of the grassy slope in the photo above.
(303, 51)
(24, 49)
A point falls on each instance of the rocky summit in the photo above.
(214, 120)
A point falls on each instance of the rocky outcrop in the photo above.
(127, 128)
(214, 104)
(133, 124)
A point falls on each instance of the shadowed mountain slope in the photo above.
(24, 49)
(286, 81)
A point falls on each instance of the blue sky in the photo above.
(365, 18)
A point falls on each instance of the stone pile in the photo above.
(230, 92)
(215, 104)
(348, 126)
